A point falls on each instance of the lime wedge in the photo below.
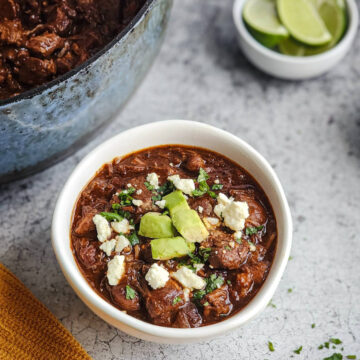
(334, 15)
(303, 22)
(261, 18)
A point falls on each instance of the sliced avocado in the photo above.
(155, 225)
(176, 201)
(188, 223)
(165, 249)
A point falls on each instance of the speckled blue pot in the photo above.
(45, 124)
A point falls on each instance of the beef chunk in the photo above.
(89, 254)
(226, 253)
(85, 224)
(194, 162)
(252, 274)
(8, 9)
(206, 202)
(44, 44)
(188, 317)
(257, 212)
(160, 303)
(118, 295)
(34, 71)
(217, 303)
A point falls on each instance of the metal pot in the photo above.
(45, 124)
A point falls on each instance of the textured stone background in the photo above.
(310, 133)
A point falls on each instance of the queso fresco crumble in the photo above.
(173, 235)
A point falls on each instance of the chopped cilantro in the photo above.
(291, 257)
(149, 186)
(165, 213)
(194, 259)
(110, 216)
(212, 194)
(133, 238)
(130, 293)
(313, 325)
(326, 344)
(271, 304)
(176, 300)
(206, 303)
(125, 198)
(165, 189)
(197, 193)
(203, 175)
(228, 282)
(298, 350)
(290, 290)
(228, 248)
(335, 356)
(321, 347)
(335, 341)
(205, 253)
(238, 240)
(351, 357)
(217, 187)
(271, 346)
(156, 198)
(213, 282)
(198, 295)
(253, 230)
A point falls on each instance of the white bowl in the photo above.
(292, 67)
(161, 133)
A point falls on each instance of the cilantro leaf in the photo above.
(110, 216)
(176, 300)
(271, 346)
(203, 175)
(335, 341)
(298, 351)
(130, 293)
(133, 238)
(335, 356)
(213, 282)
(253, 230)
(149, 186)
(217, 187)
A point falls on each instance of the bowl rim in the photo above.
(28, 94)
(340, 47)
(89, 296)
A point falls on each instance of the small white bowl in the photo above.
(292, 67)
(161, 133)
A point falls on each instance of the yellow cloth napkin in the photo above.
(28, 330)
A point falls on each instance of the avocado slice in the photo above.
(154, 225)
(188, 223)
(176, 201)
(169, 248)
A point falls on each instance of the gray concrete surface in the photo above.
(310, 133)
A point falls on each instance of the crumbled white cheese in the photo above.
(187, 186)
(234, 212)
(122, 226)
(200, 209)
(185, 196)
(232, 244)
(138, 192)
(252, 246)
(137, 202)
(108, 246)
(187, 294)
(161, 203)
(212, 220)
(217, 181)
(237, 235)
(198, 267)
(116, 269)
(188, 278)
(121, 243)
(157, 276)
(129, 185)
(102, 228)
(153, 180)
